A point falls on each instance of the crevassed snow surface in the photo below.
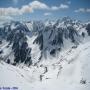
(64, 73)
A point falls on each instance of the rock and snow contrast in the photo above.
(45, 55)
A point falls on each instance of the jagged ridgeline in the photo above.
(50, 36)
(16, 38)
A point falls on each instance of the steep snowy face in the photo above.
(32, 41)
(88, 28)
(14, 34)
(54, 36)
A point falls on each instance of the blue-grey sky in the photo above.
(44, 9)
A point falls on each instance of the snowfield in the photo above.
(69, 71)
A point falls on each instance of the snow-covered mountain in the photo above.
(69, 71)
(29, 42)
(56, 52)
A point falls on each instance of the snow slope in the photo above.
(63, 73)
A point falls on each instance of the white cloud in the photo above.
(88, 10)
(47, 14)
(4, 19)
(54, 8)
(38, 5)
(34, 5)
(83, 10)
(9, 11)
(63, 6)
(80, 10)
(26, 9)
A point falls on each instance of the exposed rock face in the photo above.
(50, 37)
(17, 39)
(88, 29)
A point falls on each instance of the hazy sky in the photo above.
(44, 9)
